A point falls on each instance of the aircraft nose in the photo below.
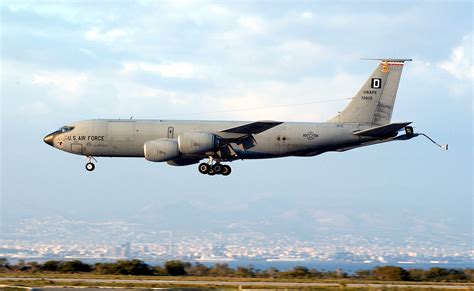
(49, 139)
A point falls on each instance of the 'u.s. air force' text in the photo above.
(85, 137)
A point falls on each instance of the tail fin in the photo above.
(374, 102)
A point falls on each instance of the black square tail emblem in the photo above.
(376, 83)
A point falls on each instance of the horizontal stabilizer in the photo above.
(388, 60)
(254, 127)
(383, 130)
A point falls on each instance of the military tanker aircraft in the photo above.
(365, 121)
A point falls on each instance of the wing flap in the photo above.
(383, 130)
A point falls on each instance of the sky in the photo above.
(63, 61)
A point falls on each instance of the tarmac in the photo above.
(230, 284)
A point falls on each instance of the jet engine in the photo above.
(161, 150)
(197, 142)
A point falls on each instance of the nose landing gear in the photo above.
(90, 166)
(212, 169)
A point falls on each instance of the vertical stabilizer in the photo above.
(374, 102)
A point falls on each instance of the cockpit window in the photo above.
(64, 129)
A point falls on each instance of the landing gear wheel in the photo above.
(226, 170)
(217, 168)
(204, 168)
(211, 173)
(90, 167)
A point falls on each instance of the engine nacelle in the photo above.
(161, 150)
(197, 142)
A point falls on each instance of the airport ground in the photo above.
(61, 281)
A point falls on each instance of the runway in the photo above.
(241, 284)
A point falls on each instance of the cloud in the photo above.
(66, 86)
(127, 93)
(459, 64)
(87, 52)
(301, 53)
(35, 107)
(328, 218)
(183, 70)
(306, 15)
(231, 33)
(252, 24)
(62, 10)
(96, 34)
(308, 99)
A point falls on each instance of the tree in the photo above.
(74, 266)
(34, 266)
(456, 275)
(159, 271)
(50, 266)
(363, 274)
(390, 273)
(221, 270)
(175, 268)
(3, 262)
(105, 268)
(132, 267)
(417, 274)
(4, 266)
(245, 272)
(296, 272)
(436, 274)
(22, 266)
(442, 274)
(123, 267)
(197, 269)
(270, 272)
(469, 274)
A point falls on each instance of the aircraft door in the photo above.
(76, 148)
(170, 132)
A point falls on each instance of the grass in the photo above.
(46, 279)
(220, 279)
(260, 287)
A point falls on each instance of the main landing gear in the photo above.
(212, 169)
(90, 166)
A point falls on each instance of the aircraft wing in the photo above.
(242, 136)
(383, 130)
(254, 127)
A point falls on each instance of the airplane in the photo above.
(365, 121)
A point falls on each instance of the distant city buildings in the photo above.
(123, 251)
(112, 243)
(205, 250)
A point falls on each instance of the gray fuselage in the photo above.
(126, 138)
